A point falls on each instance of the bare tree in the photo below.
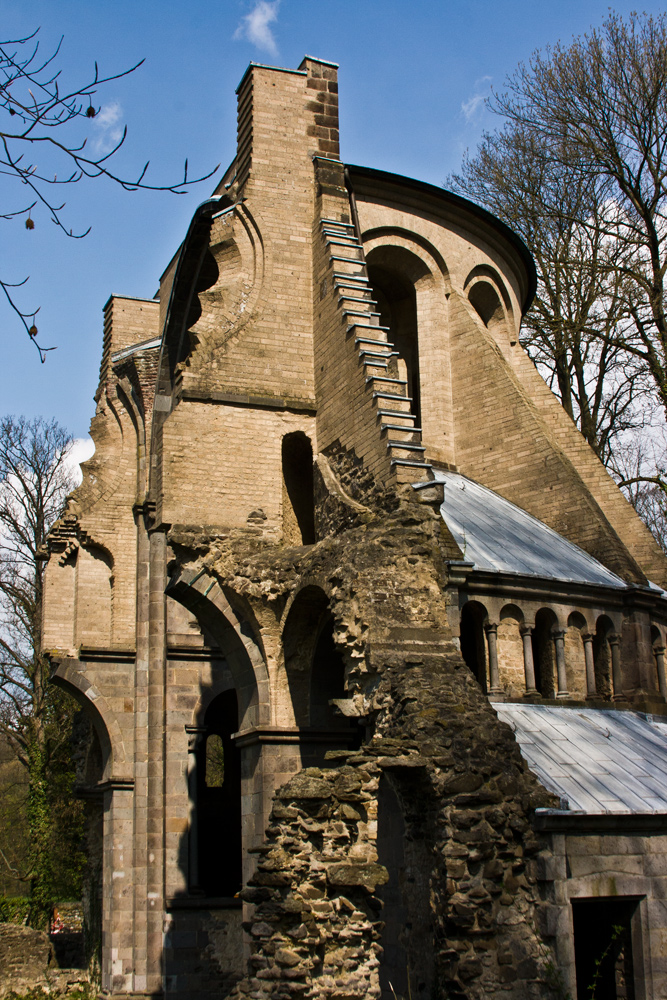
(43, 145)
(571, 330)
(598, 108)
(35, 718)
(579, 169)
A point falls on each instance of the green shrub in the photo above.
(14, 909)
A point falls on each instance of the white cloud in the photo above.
(476, 101)
(255, 26)
(109, 128)
(81, 450)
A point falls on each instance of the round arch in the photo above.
(202, 595)
(115, 764)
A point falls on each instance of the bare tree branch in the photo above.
(46, 121)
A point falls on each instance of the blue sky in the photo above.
(413, 77)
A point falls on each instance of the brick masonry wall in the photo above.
(227, 461)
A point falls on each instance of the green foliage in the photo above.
(35, 718)
(83, 991)
(592, 990)
(14, 909)
(55, 818)
(215, 761)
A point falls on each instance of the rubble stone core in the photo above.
(261, 597)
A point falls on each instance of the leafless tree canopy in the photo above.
(35, 478)
(43, 144)
(579, 170)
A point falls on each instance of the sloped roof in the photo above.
(497, 536)
(595, 761)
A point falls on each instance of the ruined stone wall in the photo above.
(453, 778)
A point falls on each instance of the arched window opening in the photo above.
(219, 800)
(473, 647)
(327, 681)
(393, 273)
(543, 652)
(486, 302)
(602, 657)
(214, 768)
(298, 499)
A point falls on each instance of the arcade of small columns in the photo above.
(534, 650)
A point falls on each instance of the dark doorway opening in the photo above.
(603, 951)
(219, 800)
(396, 300)
(298, 498)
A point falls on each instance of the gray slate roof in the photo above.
(596, 761)
(496, 535)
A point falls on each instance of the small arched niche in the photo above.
(485, 300)
(602, 657)
(298, 498)
(394, 273)
(473, 647)
(544, 653)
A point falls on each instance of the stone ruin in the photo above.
(339, 569)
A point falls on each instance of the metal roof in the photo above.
(497, 536)
(595, 761)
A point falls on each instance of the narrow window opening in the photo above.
(214, 775)
(219, 800)
(298, 499)
(397, 304)
(603, 953)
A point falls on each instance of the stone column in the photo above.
(559, 643)
(614, 641)
(591, 689)
(154, 903)
(528, 665)
(117, 897)
(139, 915)
(491, 630)
(196, 737)
(659, 653)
